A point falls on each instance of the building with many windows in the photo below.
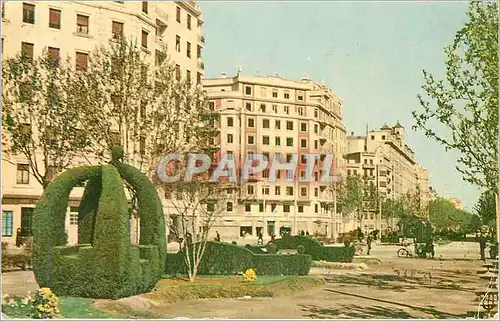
(279, 118)
(384, 160)
(73, 29)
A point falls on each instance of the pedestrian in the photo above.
(482, 246)
(217, 237)
(369, 241)
(260, 240)
(19, 240)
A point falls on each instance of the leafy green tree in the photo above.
(485, 208)
(351, 196)
(444, 216)
(465, 103)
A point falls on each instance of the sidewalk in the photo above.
(18, 283)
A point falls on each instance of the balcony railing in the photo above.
(201, 39)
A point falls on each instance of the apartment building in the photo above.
(385, 161)
(73, 29)
(279, 117)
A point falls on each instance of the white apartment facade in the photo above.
(73, 29)
(279, 117)
(385, 160)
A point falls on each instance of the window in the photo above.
(248, 90)
(55, 18)
(263, 108)
(315, 113)
(300, 96)
(23, 174)
(303, 191)
(316, 192)
(229, 138)
(229, 206)
(117, 29)
(277, 124)
(230, 122)
(53, 55)
(188, 49)
(7, 223)
(248, 207)
(300, 111)
(275, 108)
(265, 140)
(261, 207)
(383, 137)
(145, 7)
(277, 190)
(26, 221)
(81, 61)
(289, 125)
(288, 158)
(250, 190)
(265, 189)
(265, 174)
(287, 95)
(289, 141)
(289, 190)
(178, 43)
(303, 127)
(27, 50)
(188, 76)
(144, 39)
(82, 24)
(315, 208)
(251, 139)
(198, 78)
(248, 106)
(315, 128)
(189, 21)
(300, 208)
(265, 123)
(275, 93)
(373, 137)
(316, 144)
(210, 207)
(277, 141)
(73, 215)
(251, 122)
(178, 72)
(198, 51)
(28, 13)
(286, 208)
(303, 143)
(178, 14)
(286, 110)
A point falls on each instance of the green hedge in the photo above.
(316, 249)
(152, 219)
(227, 259)
(49, 219)
(108, 266)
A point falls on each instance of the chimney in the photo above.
(223, 75)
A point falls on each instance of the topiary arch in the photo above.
(104, 264)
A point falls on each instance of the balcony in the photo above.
(368, 165)
(201, 65)
(201, 39)
(162, 17)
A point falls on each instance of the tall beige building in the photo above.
(279, 117)
(385, 160)
(73, 29)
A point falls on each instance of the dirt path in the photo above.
(430, 289)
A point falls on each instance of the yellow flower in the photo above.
(249, 276)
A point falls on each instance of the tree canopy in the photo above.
(444, 215)
(465, 102)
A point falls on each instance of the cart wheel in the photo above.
(403, 253)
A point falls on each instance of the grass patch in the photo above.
(172, 290)
(74, 308)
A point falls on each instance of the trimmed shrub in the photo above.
(278, 264)
(234, 243)
(88, 210)
(301, 249)
(317, 251)
(152, 219)
(227, 259)
(49, 219)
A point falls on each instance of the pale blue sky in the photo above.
(371, 54)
